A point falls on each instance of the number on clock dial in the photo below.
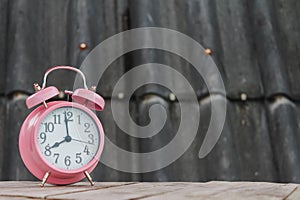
(68, 138)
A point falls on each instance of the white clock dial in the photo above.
(68, 138)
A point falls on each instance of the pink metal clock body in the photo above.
(32, 156)
(30, 151)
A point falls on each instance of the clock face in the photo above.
(68, 138)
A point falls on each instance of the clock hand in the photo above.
(80, 141)
(56, 144)
(66, 123)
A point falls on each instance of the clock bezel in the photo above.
(88, 112)
(41, 118)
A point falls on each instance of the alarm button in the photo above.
(41, 96)
(89, 99)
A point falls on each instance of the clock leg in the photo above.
(89, 178)
(46, 176)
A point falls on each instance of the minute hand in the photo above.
(66, 123)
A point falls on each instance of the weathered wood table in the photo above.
(166, 191)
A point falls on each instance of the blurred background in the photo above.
(255, 44)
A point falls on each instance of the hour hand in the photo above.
(56, 144)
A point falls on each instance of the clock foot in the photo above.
(89, 178)
(46, 176)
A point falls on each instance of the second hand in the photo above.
(80, 141)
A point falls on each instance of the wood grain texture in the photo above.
(147, 190)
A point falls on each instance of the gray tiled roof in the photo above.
(255, 44)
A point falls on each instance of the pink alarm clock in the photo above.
(61, 142)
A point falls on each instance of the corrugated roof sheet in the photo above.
(255, 45)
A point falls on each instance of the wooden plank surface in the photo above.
(154, 190)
